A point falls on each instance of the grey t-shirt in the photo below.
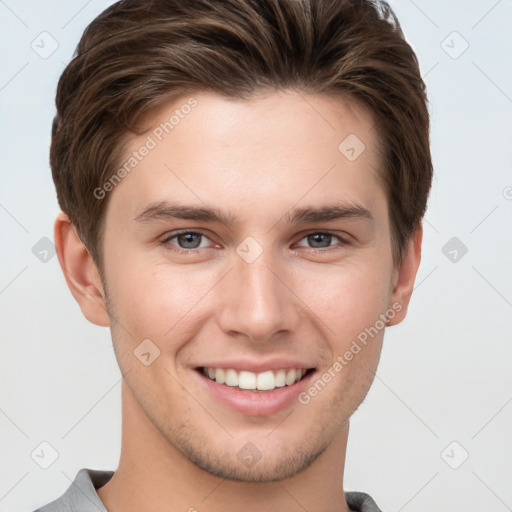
(81, 495)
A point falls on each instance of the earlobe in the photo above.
(80, 272)
(405, 277)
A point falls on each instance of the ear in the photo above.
(404, 276)
(80, 271)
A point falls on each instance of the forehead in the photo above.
(276, 148)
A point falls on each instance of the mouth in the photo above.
(262, 393)
(261, 382)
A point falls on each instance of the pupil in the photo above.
(188, 237)
(319, 236)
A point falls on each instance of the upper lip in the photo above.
(257, 366)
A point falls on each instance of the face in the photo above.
(250, 240)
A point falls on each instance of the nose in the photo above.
(258, 301)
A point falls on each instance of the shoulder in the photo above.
(81, 495)
(361, 502)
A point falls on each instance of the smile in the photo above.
(250, 381)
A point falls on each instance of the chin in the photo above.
(261, 471)
(273, 463)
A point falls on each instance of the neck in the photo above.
(153, 475)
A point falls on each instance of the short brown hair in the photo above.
(140, 52)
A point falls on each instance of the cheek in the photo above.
(346, 299)
(158, 301)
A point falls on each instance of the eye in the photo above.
(185, 241)
(323, 239)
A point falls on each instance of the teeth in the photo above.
(220, 376)
(280, 379)
(290, 377)
(231, 378)
(246, 380)
(264, 381)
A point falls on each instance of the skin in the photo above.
(302, 297)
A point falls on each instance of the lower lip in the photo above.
(259, 403)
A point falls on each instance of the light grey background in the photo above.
(445, 374)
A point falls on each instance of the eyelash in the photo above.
(165, 242)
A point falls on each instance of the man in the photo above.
(242, 186)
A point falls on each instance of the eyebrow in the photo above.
(166, 211)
